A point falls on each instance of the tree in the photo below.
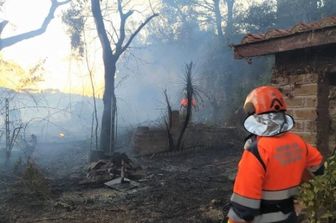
(229, 26)
(257, 18)
(178, 20)
(214, 10)
(9, 41)
(110, 59)
(290, 13)
(329, 7)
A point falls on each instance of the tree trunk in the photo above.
(306, 11)
(229, 28)
(109, 98)
(190, 96)
(107, 134)
(110, 58)
(218, 16)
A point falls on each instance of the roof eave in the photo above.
(311, 38)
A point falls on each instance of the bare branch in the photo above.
(111, 37)
(101, 30)
(205, 5)
(127, 3)
(151, 6)
(121, 81)
(169, 122)
(2, 25)
(16, 132)
(123, 19)
(114, 28)
(6, 42)
(137, 31)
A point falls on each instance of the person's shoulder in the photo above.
(251, 142)
(293, 135)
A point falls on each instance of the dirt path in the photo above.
(190, 187)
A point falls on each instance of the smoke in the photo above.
(51, 116)
(153, 69)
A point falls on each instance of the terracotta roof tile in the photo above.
(273, 33)
(298, 28)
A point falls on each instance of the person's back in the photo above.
(272, 164)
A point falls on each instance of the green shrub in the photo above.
(319, 195)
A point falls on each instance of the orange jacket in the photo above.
(268, 177)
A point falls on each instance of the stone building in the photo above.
(305, 71)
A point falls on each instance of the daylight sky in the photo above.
(60, 71)
(52, 45)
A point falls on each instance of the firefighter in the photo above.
(272, 164)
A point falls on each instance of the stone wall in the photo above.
(332, 115)
(307, 78)
(300, 91)
(150, 140)
(155, 140)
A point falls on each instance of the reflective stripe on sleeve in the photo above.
(317, 170)
(280, 195)
(247, 202)
(271, 217)
(232, 215)
(314, 168)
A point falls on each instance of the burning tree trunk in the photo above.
(189, 88)
(190, 92)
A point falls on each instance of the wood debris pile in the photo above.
(113, 167)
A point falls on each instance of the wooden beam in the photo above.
(286, 43)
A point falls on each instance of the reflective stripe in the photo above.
(232, 215)
(271, 217)
(315, 168)
(280, 195)
(247, 202)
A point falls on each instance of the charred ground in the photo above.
(190, 186)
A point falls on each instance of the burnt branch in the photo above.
(190, 92)
(169, 123)
(168, 109)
